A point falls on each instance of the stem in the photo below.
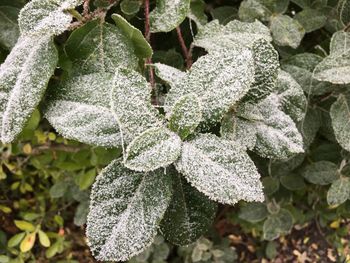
(76, 14)
(185, 51)
(86, 7)
(148, 38)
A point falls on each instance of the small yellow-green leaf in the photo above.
(24, 225)
(16, 239)
(51, 251)
(86, 179)
(28, 242)
(44, 239)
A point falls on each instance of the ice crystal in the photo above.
(79, 109)
(23, 79)
(48, 17)
(152, 149)
(218, 79)
(335, 68)
(168, 14)
(189, 214)
(99, 46)
(125, 210)
(170, 75)
(130, 101)
(220, 169)
(186, 115)
(235, 35)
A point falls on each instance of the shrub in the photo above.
(256, 114)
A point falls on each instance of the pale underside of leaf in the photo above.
(152, 149)
(79, 109)
(168, 14)
(220, 169)
(23, 79)
(125, 210)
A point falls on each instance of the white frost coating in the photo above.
(218, 79)
(79, 109)
(234, 35)
(172, 76)
(152, 149)
(100, 47)
(335, 68)
(291, 96)
(125, 210)
(220, 169)
(130, 100)
(23, 79)
(168, 14)
(46, 16)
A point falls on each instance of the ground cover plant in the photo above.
(149, 122)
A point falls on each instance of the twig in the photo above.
(148, 38)
(56, 147)
(185, 51)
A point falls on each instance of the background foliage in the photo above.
(45, 179)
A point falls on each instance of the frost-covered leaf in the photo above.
(343, 9)
(79, 109)
(224, 14)
(125, 210)
(322, 172)
(168, 14)
(250, 10)
(48, 17)
(141, 46)
(152, 149)
(335, 68)
(170, 75)
(130, 101)
(265, 129)
(218, 79)
(291, 96)
(301, 67)
(311, 19)
(266, 65)
(197, 13)
(340, 115)
(286, 31)
(277, 224)
(235, 35)
(9, 30)
(189, 214)
(253, 212)
(309, 126)
(339, 191)
(100, 47)
(130, 7)
(186, 115)
(23, 79)
(292, 181)
(220, 169)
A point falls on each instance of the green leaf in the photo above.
(339, 191)
(169, 57)
(9, 30)
(59, 189)
(197, 12)
(130, 7)
(335, 68)
(24, 225)
(44, 239)
(4, 259)
(102, 48)
(125, 210)
(53, 250)
(220, 169)
(131, 104)
(322, 172)
(292, 182)
(219, 80)
(152, 149)
(16, 239)
(46, 17)
(224, 14)
(215, 37)
(186, 115)
(271, 185)
(277, 224)
(79, 109)
(311, 19)
(343, 9)
(253, 212)
(81, 213)
(189, 214)
(141, 46)
(168, 14)
(340, 115)
(286, 31)
(86, 179)
(23, 79)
